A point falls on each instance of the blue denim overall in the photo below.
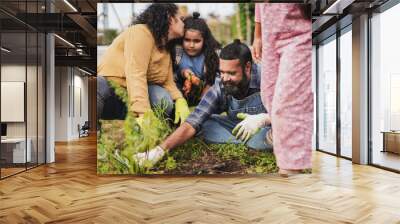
(218, 128)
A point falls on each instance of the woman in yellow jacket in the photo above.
(139, 59)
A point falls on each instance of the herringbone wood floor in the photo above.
(69, 191)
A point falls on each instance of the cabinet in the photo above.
(391, 141)
(13, 150)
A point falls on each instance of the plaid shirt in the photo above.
(215, 100)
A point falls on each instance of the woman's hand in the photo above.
(181, 110)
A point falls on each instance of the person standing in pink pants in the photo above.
(283, 43)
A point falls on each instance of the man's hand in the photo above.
(250, 125)
(153, 156)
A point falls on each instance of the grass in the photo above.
(120, 140)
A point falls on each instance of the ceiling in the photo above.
(74, 22)
(330, 15)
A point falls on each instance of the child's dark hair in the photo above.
(237, 50)
(210, 45)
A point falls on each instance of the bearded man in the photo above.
(237, 92)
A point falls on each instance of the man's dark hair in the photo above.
(156, 17)
(237, 50)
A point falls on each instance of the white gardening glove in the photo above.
(153, 156)
(250, 125)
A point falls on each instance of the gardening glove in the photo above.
(250, 125)
(153, 156)
(139, 120)
(181, 110)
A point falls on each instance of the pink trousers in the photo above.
(286, 92)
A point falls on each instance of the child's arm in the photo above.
(257, 43)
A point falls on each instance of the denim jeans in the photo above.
(110, 106)
(218, 128)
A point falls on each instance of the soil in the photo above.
(209, 163)
(207, 160)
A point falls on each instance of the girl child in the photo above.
(196, 59)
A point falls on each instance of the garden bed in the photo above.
(194, 157)
(120, 140)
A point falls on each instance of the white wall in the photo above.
(70, 83)
(14, 73)
(17, 73)
(61, 103)
(80, 84)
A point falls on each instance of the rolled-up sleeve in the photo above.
(209, 104)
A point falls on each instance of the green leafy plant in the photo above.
(120, 140)
(170, 163)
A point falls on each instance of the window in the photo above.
(346, 74)
(327, 95)
(23, 76)
(385, 88)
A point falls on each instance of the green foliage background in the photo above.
(243, 24)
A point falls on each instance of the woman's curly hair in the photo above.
(210, 45)
(156, 17)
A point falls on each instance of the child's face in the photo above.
(193, 42)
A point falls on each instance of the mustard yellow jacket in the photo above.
(134, 61)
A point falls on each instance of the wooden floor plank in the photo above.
(70, 191)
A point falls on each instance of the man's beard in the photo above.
(237, 90)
